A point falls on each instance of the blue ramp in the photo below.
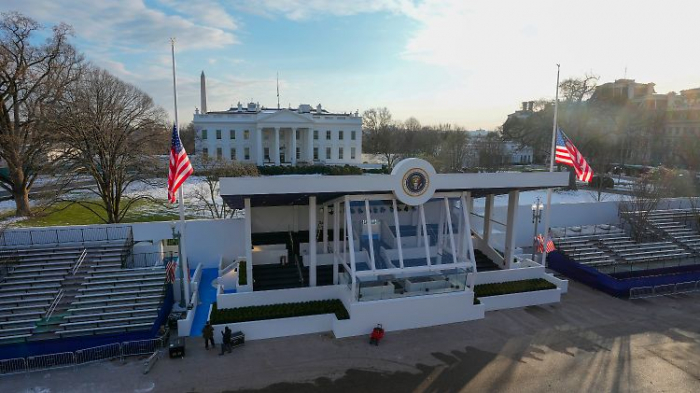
(207, 296)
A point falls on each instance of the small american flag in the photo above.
(567, 154)
(180, 167)
(170, 271)
(540, 242)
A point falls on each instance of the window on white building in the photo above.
(297, 134)
(218, 134)
(218, 153)
(316, 153)
(352, 153)
(298, 153)
(205, 152)
(315, 135)
(233, 153)
(340, 135)
(352, 135)
(328, 153)
(246, 134)
(340, 153)
(328, 135)
(232, 134)
(266, 153)
(246, 153)
(204, 134)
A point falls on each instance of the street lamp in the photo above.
(176, 236)
(537, 208)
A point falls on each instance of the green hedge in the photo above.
(242, 273)
(275, 311)
(504, 288)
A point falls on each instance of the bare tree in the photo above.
(578, 89)
(33, 79)
(381, 136)
(635, 209)
(207, 193)
(412, 124)
(107, 131)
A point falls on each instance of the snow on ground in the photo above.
(558, 197)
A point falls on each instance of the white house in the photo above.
(255, 134)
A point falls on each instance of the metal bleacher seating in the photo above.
(672, 224)
(613, 247)
(74, 288)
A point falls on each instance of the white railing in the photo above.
(54, 304)
(79, 262)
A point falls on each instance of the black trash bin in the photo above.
(177, 348)
(237, 339)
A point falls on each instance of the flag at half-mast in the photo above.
(567, 154)
(180, 167)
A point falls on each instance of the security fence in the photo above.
(665, 289)
(83, 356)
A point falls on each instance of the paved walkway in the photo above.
(588, 343)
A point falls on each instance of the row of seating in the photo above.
(37, 276)
(115, 300)
(670, 225)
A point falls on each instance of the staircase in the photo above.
(484, 263)
(274, 276)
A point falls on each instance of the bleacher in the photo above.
(605, 246)
(73, 288)
(672, 224)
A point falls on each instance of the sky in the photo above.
(469, 63)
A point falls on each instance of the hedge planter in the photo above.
(504, 295)
(277, 311)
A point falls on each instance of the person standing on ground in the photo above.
(208, 334)
(226, 346)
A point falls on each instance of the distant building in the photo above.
(255, 134)
(486, 148)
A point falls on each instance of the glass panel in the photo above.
(420, 284)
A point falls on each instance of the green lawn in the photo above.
(65, 214)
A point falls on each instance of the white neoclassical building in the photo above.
(254, 134)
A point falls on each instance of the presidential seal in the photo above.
(415, 182)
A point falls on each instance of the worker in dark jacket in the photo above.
(208, 334)
(226, 336)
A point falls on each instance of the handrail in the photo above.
(79, 262)
(301, 275)
(54, 304)
(230, 267)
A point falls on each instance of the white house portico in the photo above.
(279, 136)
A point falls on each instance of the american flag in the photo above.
(540, 242)
(568, 154)
(180, 166)
(170, 271)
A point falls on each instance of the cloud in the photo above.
(306, 9)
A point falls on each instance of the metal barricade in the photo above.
(641, 292)
(13, 366)
(141, 347)
(666, 289)
(685, 287)
(55, 360)
(96, 354)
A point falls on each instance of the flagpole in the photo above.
(184, 268)
(547, 211)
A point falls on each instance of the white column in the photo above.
(513, 198)
(276, 148)
(351, 244)
(426, 241)
(294, 146)
(259, 158)
(369, 236)
(248, 241)
(468, 240)
(310, 146)
(488, 212)
(312, 241)
(398, 232)
(449, 230)
(441, 238)
(325, 229)
(336, 240)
